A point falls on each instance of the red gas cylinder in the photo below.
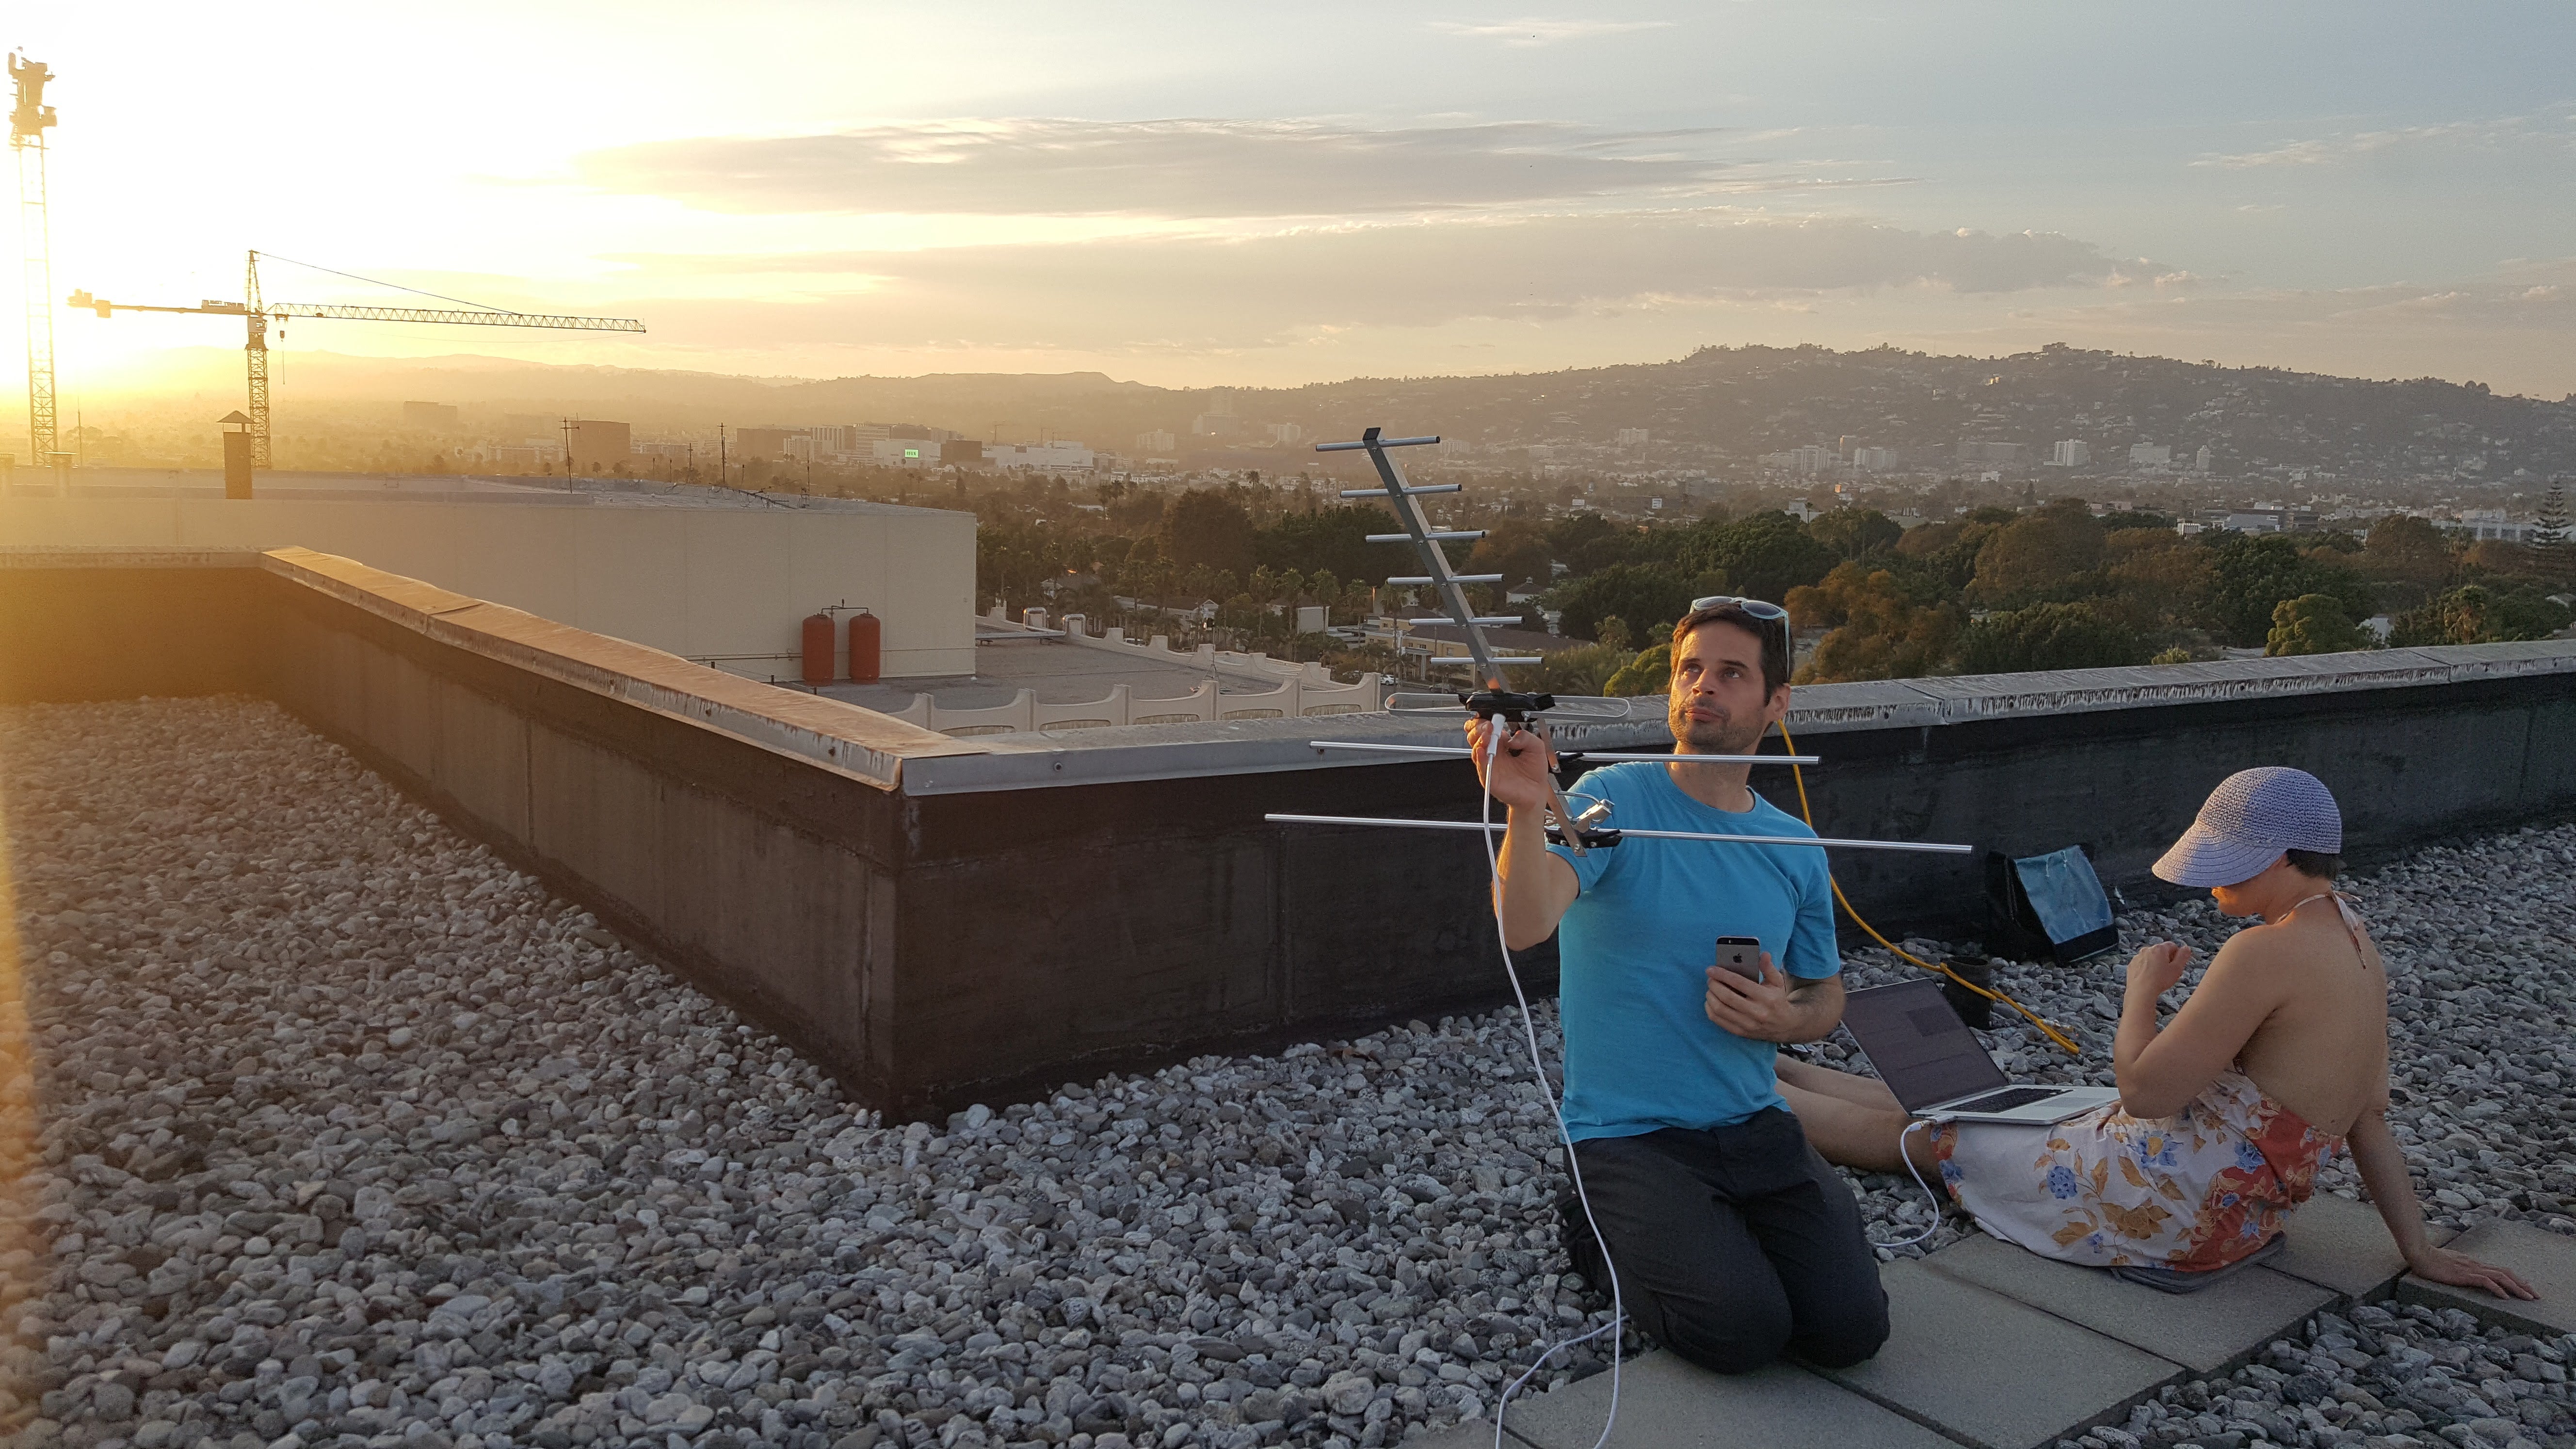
(867, 644)
(818, 648)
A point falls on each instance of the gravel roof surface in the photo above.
(354, 1135)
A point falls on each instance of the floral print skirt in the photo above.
(2198, 1190)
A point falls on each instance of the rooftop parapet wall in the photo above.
(1144, 899)
(1242, 746)
(819, 731)
(749, 836)
(943, 920)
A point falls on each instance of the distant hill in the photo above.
(1741, 402)
(1715, 406)
(517, 385)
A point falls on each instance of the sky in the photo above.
(1225, 194)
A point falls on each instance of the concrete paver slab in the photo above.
(1666, 1403)
(2545, 1260)
(1994, 1372)
(2215, 1328)
(2341, 1244)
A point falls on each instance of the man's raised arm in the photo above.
(1535, 886)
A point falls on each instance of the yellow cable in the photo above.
(1944, 968)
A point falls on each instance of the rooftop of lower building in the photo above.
(335, 487)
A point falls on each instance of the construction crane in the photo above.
(28, 119)
(258, 311)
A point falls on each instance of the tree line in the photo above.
(2056, 587)
(1998, 590)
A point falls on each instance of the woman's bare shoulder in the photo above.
(2280, 962)
(2251, 961)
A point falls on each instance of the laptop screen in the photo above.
(1921, 1049)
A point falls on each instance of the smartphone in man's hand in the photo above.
(1741, 955)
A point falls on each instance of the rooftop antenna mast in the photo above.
(29, 118)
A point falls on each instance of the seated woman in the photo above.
(2276, 1058)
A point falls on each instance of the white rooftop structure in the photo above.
(717, 575)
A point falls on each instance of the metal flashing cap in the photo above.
(2248, 821)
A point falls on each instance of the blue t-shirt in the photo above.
(1635, 948)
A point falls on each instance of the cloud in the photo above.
(1532, 31)
(1184, 168)
(2401, 143)
(2523, 302)
(1216, 293)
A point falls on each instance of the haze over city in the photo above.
(1192, 196)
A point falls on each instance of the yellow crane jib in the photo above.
(257, 311)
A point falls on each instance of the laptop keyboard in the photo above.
(2006, 1100)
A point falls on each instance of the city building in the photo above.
(522, 458)
(1039, 455)
(1875, 460)
(2150, 455)
(2200, 461)
(846, 439)
(883, 444)
(751, 443)
(597, 446)
(1629, 438)
(1159, 441)
(2484, 524)
(1806, 462)
(2261, 518)
(1284, 434)
(2070, 453)
(2008, 454)
(1218, 421)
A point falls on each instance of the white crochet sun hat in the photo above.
(2248, 821)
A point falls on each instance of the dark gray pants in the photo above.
(1732, 1244)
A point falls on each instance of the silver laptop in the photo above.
(1932, 1062)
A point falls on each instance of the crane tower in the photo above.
(258, 310)
(28, 120)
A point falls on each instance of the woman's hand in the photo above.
(2158, 968)
(2441, 1265)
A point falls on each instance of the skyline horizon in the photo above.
(1220, 198)
(218, 367)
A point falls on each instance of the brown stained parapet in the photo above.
(55, 556)
(824, 733)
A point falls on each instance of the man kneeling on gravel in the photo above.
(1731, 1239)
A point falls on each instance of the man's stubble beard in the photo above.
(1726, 737)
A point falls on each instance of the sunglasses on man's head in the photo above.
(1762, 609)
